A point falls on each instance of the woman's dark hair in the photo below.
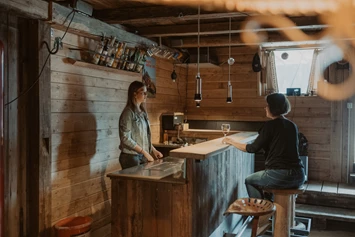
(278, 104)
(131, 103)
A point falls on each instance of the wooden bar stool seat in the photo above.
(284, 199)
(260, 209)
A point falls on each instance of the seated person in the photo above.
(279, 139)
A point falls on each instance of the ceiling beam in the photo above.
(32, 8)
(221, 41)
(216, 29)
(132, 16)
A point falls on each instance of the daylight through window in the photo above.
(293, 69)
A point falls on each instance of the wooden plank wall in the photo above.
(14, 163)
(311, 114)
(86, 105)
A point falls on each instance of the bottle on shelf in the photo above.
(141, 60)
(130, 64)
(98, 50)
(112, 52)
(104, 53)
(125, 59)
(119, 53)
(135, 60)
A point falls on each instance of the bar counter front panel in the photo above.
(190, 201)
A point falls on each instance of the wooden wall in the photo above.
(14, 163)
(314, 116)
(86, 105)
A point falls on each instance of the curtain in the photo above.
(314, 73)
(271, 77)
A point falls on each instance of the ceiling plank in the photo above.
(133, 16)
(31, 8)
(90, 26)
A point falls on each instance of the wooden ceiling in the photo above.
(176, 26)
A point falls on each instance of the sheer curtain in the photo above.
(314, 74)
(271, 77)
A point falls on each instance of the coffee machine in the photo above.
(169, 121)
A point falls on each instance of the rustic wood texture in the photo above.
(14, 168)
(143, 208)
(207, 149)
(43, 130)
(30, 8)
(331, 194)
(315, 117)
(86, 103)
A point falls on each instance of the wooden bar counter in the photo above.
(190, 201)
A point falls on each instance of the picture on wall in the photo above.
(149, 77)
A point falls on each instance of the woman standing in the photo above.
(279, 139)
(136, 146)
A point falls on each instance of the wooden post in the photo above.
(37, 124)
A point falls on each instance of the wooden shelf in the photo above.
(99, 67)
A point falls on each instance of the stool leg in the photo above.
(282, 216)
(293, 211)
(254, 228)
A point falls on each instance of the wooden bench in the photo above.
(324, 200)
(321, 214)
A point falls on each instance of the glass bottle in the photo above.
(140, 64)
(99, 48)
(131, 60)
(118, 55)
(104, 53)
(111, 57)
(136, 59)
(125, 59)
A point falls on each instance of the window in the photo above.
(293, 69)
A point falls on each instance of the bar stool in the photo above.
(260, 210)
(285, 202)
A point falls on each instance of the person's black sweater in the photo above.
(279, 139)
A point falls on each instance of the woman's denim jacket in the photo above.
(132, 131)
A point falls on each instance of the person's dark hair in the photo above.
(134, 87)
(278, 104)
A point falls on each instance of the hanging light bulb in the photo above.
(230, 63)
(198, 93)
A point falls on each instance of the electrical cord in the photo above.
(57, 44)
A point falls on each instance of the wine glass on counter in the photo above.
(226, 127)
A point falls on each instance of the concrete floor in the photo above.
(335, 229)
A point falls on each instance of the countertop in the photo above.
(168, 170)
(206, 149)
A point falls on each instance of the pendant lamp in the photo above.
(230, 63)
(198, 93)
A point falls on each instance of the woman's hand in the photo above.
(228, 140)
(157, 154)
(148, 156)
(231, 141)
